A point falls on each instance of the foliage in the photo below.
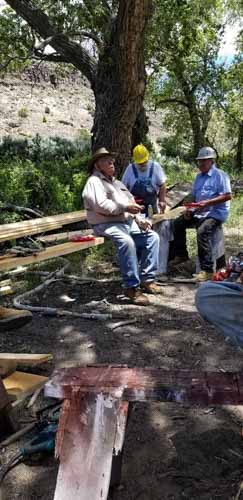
(16, 42)
(48, 174)
(23, 112)
(184, 48)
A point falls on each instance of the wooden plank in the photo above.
(52, 238)
(122, 416)
(7, 367)
(168, 215)
(5, 290)
(49, 253)
(87, 429)
(7, 424)
(19, 229)
(25, 358)
(67, 218)
(20, 384)
(4, 400)
(137, 384)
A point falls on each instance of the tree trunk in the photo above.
(197, 130)
(239, 153)
(120, 83)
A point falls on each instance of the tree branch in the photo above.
(86, 34)
(172, 100)
(71, 51)
(57, 58)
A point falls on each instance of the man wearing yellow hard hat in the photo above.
(146, 179)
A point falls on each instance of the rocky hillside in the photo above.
(50, 106)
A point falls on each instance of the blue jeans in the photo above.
(130, 242)
(222, 304)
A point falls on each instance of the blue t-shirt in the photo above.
(210, 185)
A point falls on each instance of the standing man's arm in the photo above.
(161, 182)
(162, 202)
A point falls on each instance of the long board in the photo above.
(168, 215)
(49, 253)
(17, 230)
(144, 384)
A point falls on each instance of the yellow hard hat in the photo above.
(140, 154)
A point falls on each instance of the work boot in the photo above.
(151, 287)
(13, 318)
(203, 276)
(136, 296)
(162, 277)
(177, 261)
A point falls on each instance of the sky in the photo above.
(227, 49)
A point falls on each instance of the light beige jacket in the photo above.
(106, 200)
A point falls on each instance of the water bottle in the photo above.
(150, 212)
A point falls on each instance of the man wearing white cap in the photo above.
(211, 193)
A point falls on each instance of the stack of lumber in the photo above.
(43, 224)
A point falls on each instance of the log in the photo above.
(49, 253)
(137, 384)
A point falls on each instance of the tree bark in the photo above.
(197, 129)
(120, 84)
(239, 153)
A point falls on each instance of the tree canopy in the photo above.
(111, 41)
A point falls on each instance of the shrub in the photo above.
(23, 112)
(48, 174)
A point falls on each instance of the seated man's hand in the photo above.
(134, 208)
(188, 214)
(162, 206)
(203, 203)
(241, 278)
(145, 225)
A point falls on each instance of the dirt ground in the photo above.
(171, 451)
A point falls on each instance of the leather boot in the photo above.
(13, 318)
(151, 287)
(136, 296)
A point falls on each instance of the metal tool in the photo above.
(43, 442)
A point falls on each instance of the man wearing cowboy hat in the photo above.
(211, 193)
(113, 213)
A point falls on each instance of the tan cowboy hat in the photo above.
(100, 153)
